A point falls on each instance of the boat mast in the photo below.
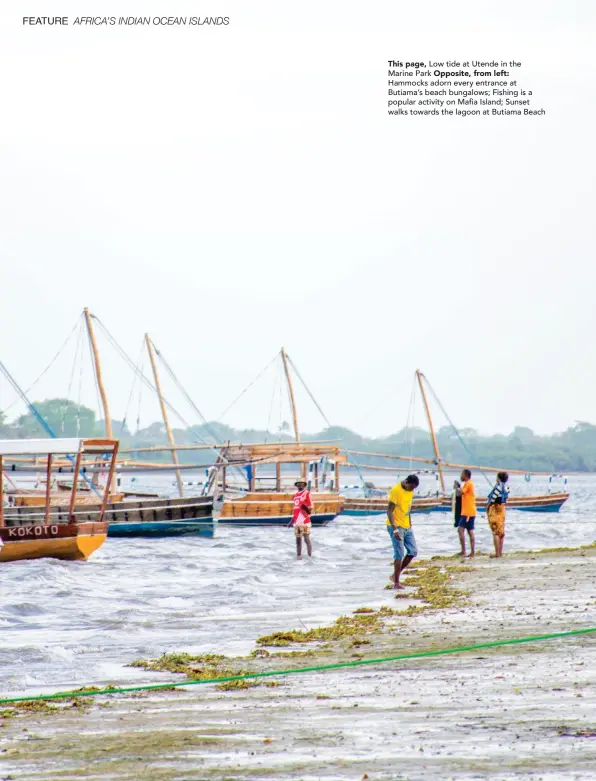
(419, 377)
(164, 413)
(284, 358)
(100, 385)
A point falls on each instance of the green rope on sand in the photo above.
(316, 669)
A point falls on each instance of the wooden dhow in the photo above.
(318, 465)
(150, 517)
(550, 502)
(131, 516)
(46, 531)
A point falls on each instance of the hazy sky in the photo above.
(237, 188)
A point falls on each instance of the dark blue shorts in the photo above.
(466, 522)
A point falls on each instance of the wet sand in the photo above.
(513, 712)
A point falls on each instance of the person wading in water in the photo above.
(301, 517)
(399, 526)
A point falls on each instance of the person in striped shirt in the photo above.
(495, 511)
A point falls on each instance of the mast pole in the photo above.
(100, 385)
(284, 358)
(164, 412)
(419, 377)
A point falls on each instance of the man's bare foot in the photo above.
(299, 558)
(462, 553)
(471, 556)
(493, 556)
(399, 587)
(392, 578)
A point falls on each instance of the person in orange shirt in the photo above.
(468, 513)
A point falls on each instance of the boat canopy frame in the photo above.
(279, 453)
(61, 447)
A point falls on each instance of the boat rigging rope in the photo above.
(298, 670)
(193, 435)
(412, 418)
(275, 381)
(48, 367)
(40, 419)
(72, 374)
(36, 414)
(183, 391)
(280, 406)
(139, 369)
(374, 409)
(453, 426)
(147, 382)
(306, 388)
(361, 476)
(91, 433)
(250, 384)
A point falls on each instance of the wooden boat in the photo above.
(33, 498)
(44, 531)
(149, 516)
(540, 503)
(275, 509)
(141, 518)
(378, 506)
(157, 517)
(161, 517)
(547, 503)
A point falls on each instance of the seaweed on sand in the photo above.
(344, 627)
(204, 667)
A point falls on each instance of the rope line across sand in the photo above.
(315, 669)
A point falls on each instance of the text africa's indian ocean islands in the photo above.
(110, 21)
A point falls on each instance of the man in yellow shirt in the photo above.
(399, 526)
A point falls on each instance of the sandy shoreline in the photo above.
(511, 712)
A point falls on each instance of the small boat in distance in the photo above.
(378, 506)
(46, 531)
(542, 504)
(546, 503)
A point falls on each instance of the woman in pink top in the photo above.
(301, 517)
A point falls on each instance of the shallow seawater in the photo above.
(67, 624)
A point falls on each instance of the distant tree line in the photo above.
(573, 450)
